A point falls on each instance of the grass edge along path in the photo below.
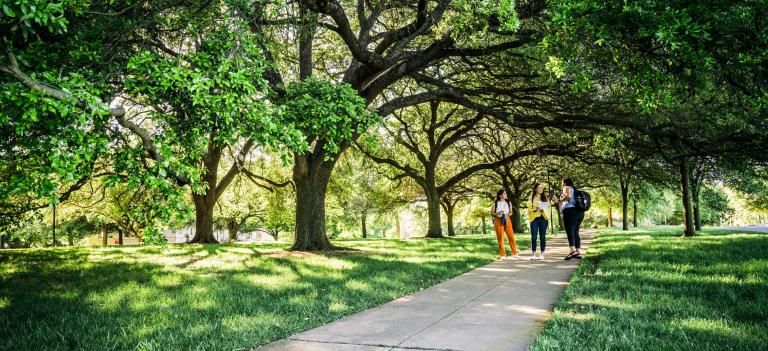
(650, 289)
(211, 297)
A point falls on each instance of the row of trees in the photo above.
(167, 103)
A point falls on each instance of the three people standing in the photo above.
(539, 221)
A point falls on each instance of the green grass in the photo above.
(213, 297)
(650, 289)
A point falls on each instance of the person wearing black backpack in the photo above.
(572, 217)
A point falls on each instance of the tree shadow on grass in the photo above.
(667, 293)
(64, 300)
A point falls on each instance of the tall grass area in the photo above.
(650, 289)
(212, 297)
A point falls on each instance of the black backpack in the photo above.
(582, 200)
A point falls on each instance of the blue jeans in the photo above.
(539, 226)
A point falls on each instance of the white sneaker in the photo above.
(515, 257)
(533, 258)
(541, 257)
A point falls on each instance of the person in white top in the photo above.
(500, 211)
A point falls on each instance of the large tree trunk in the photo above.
(696, 215)
(311, 172)
(311, 175)
(119, 237)
(204, 203)
(482, 224)
(685, 188)
(233, 227)
(624, 206)
(634, 214)
(448, 208)
(204, 206)
(363, 225)
(517, 227)
(610, 217)
(433, 211)
(696, 180)
(104, 234)
(306, 34)
(695, 188)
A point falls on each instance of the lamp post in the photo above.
(549, 184)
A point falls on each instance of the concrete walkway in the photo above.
(500, 306)
(748, 228)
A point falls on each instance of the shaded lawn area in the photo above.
(650, 289)
(212, 297)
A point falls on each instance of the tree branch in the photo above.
(237, 166)
(14, 71)
(407, 170)
(257, 178)
(541, 150)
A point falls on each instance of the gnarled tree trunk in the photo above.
(634, 214)
(685, 188)
(363, 224)
(104, 234)
(448, 207)
(610, 217)
(624, 206)
(517, 227)
(311, 175)
(696, 216)
(204, 203)
(433, 211)
(233, 227)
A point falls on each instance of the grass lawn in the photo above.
(650, 289)
(212, 297)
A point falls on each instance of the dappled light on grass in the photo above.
(229, 296)
(665, 292)
(576, 316)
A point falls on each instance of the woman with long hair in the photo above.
(572, 218)
(538, 220)
(500, 210)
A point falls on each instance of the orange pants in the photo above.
(500, 230)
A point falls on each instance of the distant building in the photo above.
(178, 236)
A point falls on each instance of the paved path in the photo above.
(500, 306)
(749, 228)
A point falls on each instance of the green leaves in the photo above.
(471, 22)
(30, 17)
(331, 114)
